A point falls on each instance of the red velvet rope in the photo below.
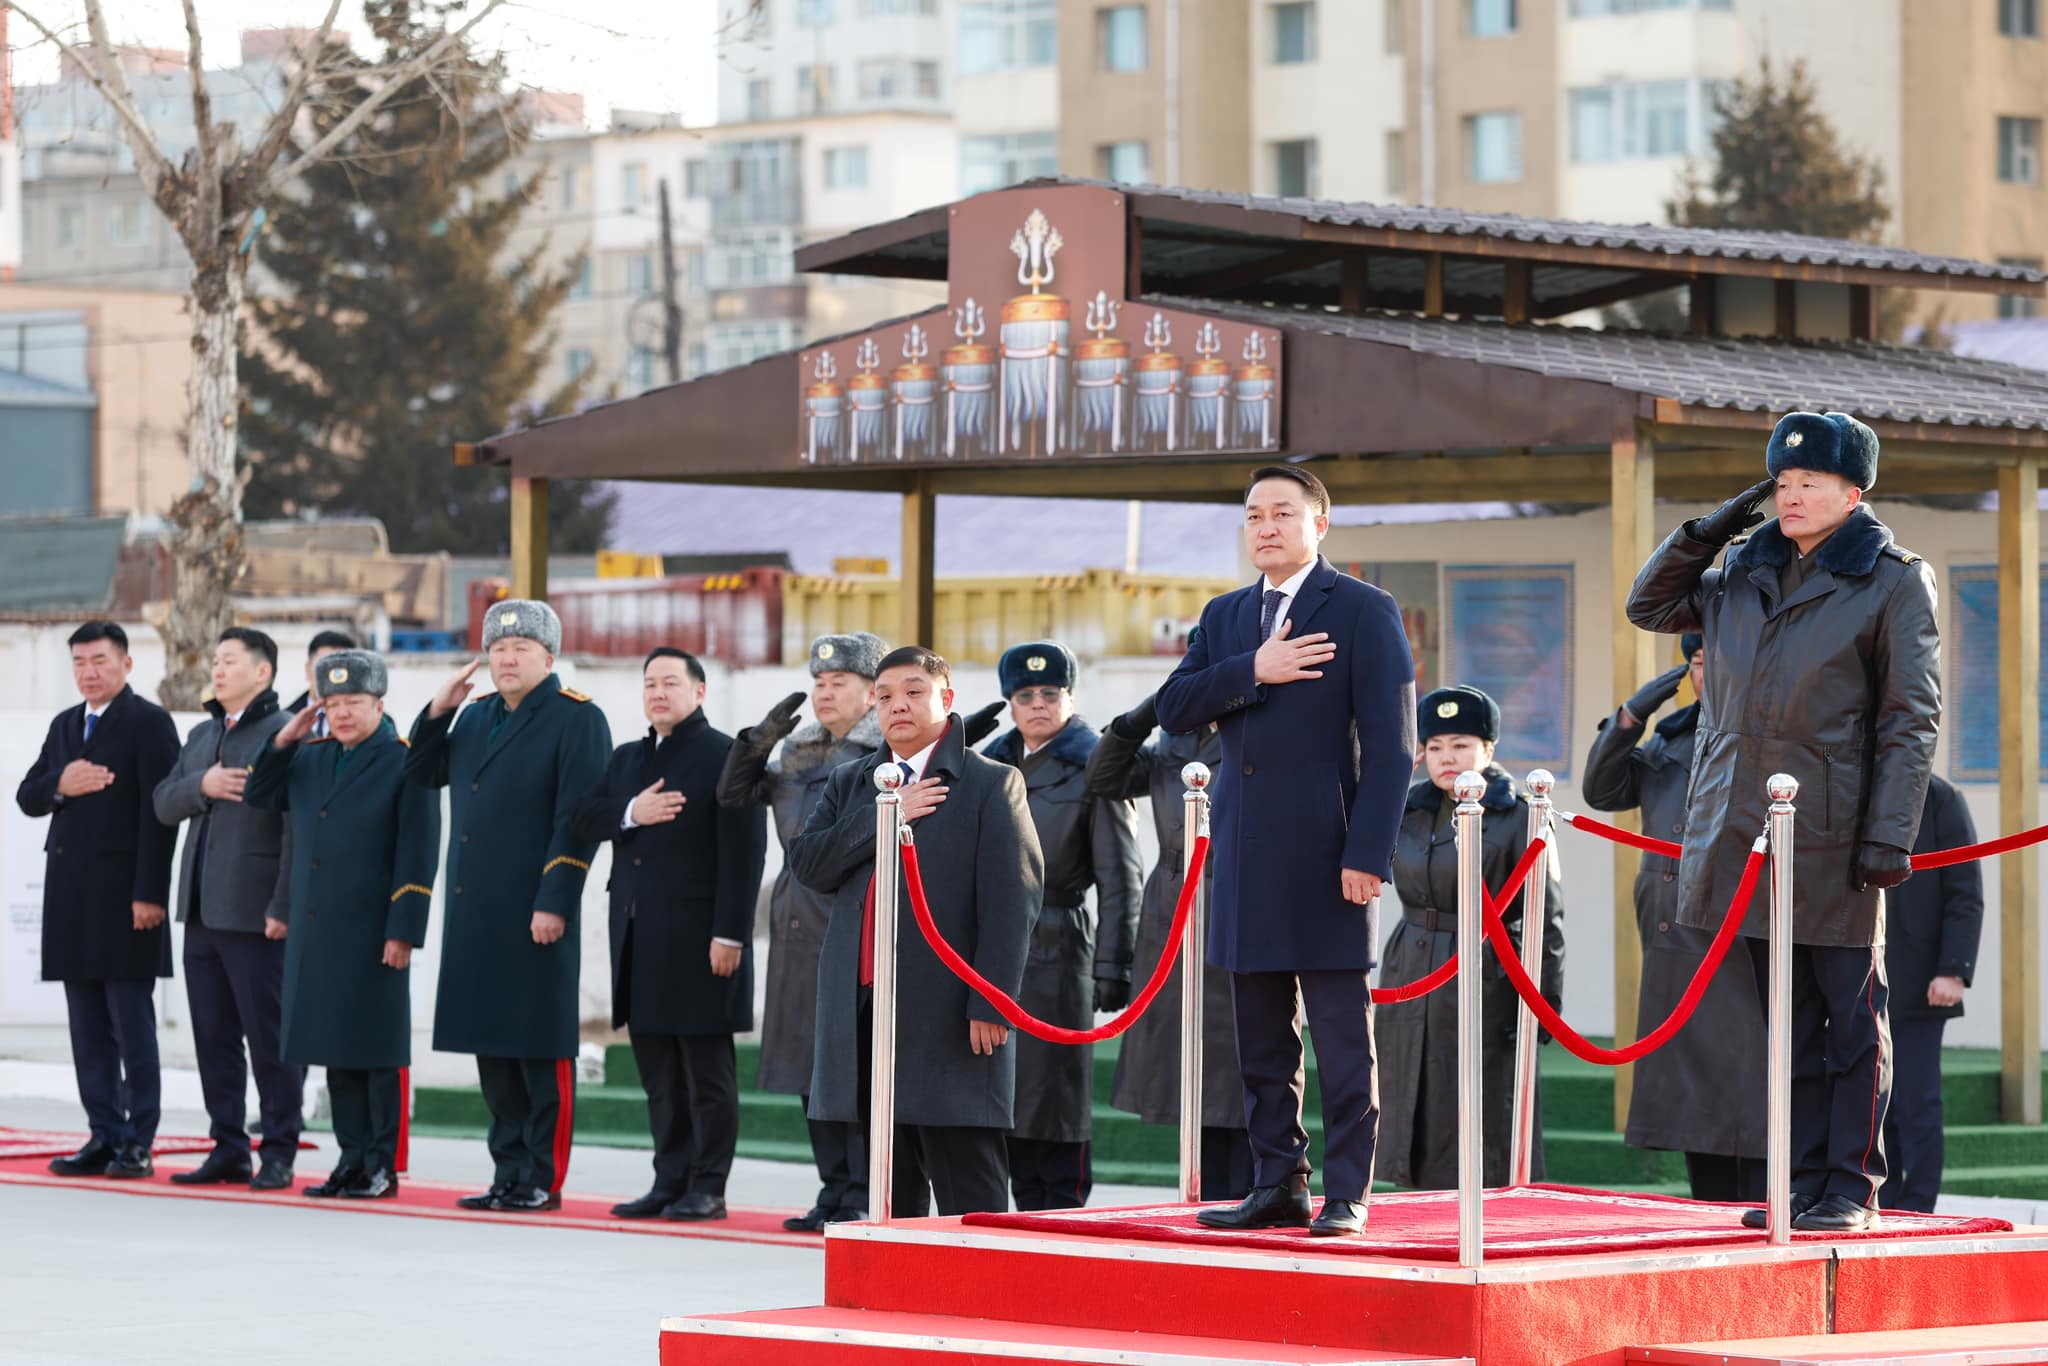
(1577, 1043)
(2004, 844)
(1024, 1019)
(1646, 843)
(1422, 986)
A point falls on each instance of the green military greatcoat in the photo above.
(513, 778)
(364, 845)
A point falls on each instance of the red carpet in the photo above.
(1534, 1221)
(48, 1143)
(423, 1200)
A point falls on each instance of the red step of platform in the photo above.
(1995, 1344)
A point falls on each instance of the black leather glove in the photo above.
(1733, 517)
(781, 718)
(1881, 865)
(1139, 722)
(1655, 693)
(1111, 995)
(982, 724)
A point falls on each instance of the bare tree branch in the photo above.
(402, 75)
(98, 63)
(206, 152)
(279, 131)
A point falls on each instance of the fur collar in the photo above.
(1854, 548)
(811, 746)
(1073, 745)
(1680, 722)
(1500, 792)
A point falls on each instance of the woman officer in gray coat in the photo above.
(1419, 1039)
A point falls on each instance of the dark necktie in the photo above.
(1271, 616)
(90, 721)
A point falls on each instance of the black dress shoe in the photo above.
(488, 1199)
(1760, 1218)
(271, 1176)
(337, 1181)
(214, 1171)
(91, 1160)
(1836, 1214)
(381, 1184)
(1338, 1219)
(648, 1206)
(1266, 1207)
(847, 1214)
(132, 1163)
(812, 1220)
(528, 1200)
(696, 1206)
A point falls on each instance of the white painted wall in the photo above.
(1347, 99)
(1026, 100)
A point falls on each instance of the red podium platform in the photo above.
(924, 1292)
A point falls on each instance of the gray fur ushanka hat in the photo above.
(536, 621)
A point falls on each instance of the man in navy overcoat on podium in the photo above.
(1310, 677)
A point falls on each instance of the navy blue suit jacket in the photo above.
(1314, 773)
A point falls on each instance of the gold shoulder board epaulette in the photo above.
(403, 741)
(1743, 539)
(1902, 554)
(575, 696)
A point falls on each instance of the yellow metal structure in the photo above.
(1097, 613)
(628, 564)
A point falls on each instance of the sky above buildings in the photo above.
(633, 54)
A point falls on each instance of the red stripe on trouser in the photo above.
(398, 1159)
(565, 1118)
(1876, 1074)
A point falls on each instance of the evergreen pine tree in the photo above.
(400, 324)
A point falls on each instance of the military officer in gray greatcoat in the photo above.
(1080, 957)
(364, 844)
(843, 728)
(1148, 1065)
(515, 763)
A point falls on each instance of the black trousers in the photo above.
(113, 1051)
(1268, 1009)
(1227, 1164)
(1718, 1176)
(1841, 1066)
(367, 1103)
(965, 1169)
(841, 1152)
(234, 982)
(533, 1114)
(693, 1109)
(1049, 1174)
(1912, 1125)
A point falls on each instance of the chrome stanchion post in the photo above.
(1193, 945)
(882, 1063)
(1535, 908)
(1468, 789)
(1783, 788)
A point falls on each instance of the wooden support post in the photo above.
(1354, 285)
(1632, 487)
(1433, 285)
(1862, 312)
(529, 538)
(2019, 790)
(1134, 253)
(1786, 297)
(916, 624)
(1514, 306)
(1704, 306)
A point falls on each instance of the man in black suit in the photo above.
(1309, 675)
(956, 1069)
(686, 873)
(234, 900)
(106, 883)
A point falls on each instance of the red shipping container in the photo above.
(734, 618)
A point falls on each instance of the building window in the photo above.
(1393, 26)
(745, 260)
(1129, 162)
(870, 9)
(693, 179)
(1120, 38)
(730, 344)
(577, 361)
(1590, 9)
(813, 13)
(2019, 18)
(1294, 33)
(1294, 168)
(1651, 119)
(70, 226)
(633, 185)
(755, 183)
(925, 79)
(894, 78)
(1007, 35)
(575, 188)
(2019, 151)
(585, 284)
(125, 226)
(640, 369)
(1397, 163)
(1493, 148)
(1490, 18)
(989, 163)
(2019, 306)
(814, 88)
(760, 98)
(640, 274)
(846, 168)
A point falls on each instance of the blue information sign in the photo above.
(1510, 634)
(1972, 647)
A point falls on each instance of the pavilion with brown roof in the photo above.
(1104, 341)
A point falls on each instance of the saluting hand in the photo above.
(459, 686)
(299, 727)
(548, 927)
(1359, 888)
(224, 784)
(655, 807)
(83, 777)
(1281, 660)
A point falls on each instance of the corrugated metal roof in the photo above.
(52, 565)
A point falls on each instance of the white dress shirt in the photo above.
(917, 761)
(1289, 589)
